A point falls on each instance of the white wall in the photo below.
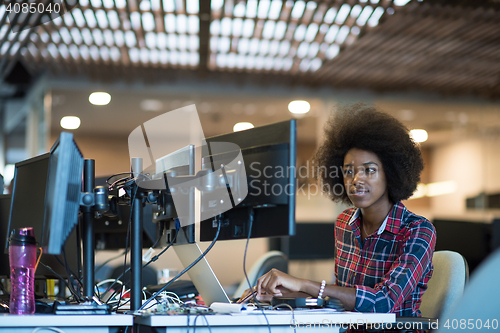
(473, 165)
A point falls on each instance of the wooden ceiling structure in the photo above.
(445, 47)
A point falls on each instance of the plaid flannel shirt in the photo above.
(391, 268)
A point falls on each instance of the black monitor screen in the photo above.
(62, 196)
(495, 237)
(312, 241)
(5, 200)
(111, 232)
(27, 210)
(471, 239)
(28, 194)
(269, 159)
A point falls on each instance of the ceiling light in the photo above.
(239, 10)
(251, 11)
(242, 126)
(298, 9)
(248, 28)
(332, 51)
(419, 135)
(330, 15)
(342, 14)
(70, 122)
(299, 107)
(377, 13)
(263, 9)
(100, 98)
(274, 11)
(364, 16)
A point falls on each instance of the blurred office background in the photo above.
(435, 65)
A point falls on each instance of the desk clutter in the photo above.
(60, 187)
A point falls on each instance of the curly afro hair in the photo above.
(365, 127)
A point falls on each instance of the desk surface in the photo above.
(272, 317)
(38, 320)
(254, 322)
(44, 323)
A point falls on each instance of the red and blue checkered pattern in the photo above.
(390, 270)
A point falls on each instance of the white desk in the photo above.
(255, 322)
(65, 323)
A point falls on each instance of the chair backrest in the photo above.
(268, 261)
(479, 308)
(446, 286)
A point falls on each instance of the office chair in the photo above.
(446, 286)
(480, 301)
(268, 261)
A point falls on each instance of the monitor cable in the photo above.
(219, 223)
(125, 252)
(251, 216)
(153, 259)
(69, 271)
(206, 321)
(71, 275)
(70, 287)
(148, 263)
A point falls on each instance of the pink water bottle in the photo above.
(22, 258)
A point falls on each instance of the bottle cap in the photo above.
(22, 236)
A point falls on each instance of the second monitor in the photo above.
(269, 157)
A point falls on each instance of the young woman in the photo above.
(383, 251)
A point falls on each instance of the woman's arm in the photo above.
(387, 295)
(274, 282)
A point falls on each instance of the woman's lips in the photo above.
(359, 191)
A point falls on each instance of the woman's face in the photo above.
(364, 179)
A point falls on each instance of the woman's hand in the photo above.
(275, 283)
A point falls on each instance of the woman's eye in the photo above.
(370, 170)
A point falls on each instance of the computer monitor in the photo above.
(469, 238)
(269, 157)
(110, 232)
(62, 197)
(176, 206)
(27, 210)
(5, 200)
(312, 241)
(495, 236)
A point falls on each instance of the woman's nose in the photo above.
(359, 177)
